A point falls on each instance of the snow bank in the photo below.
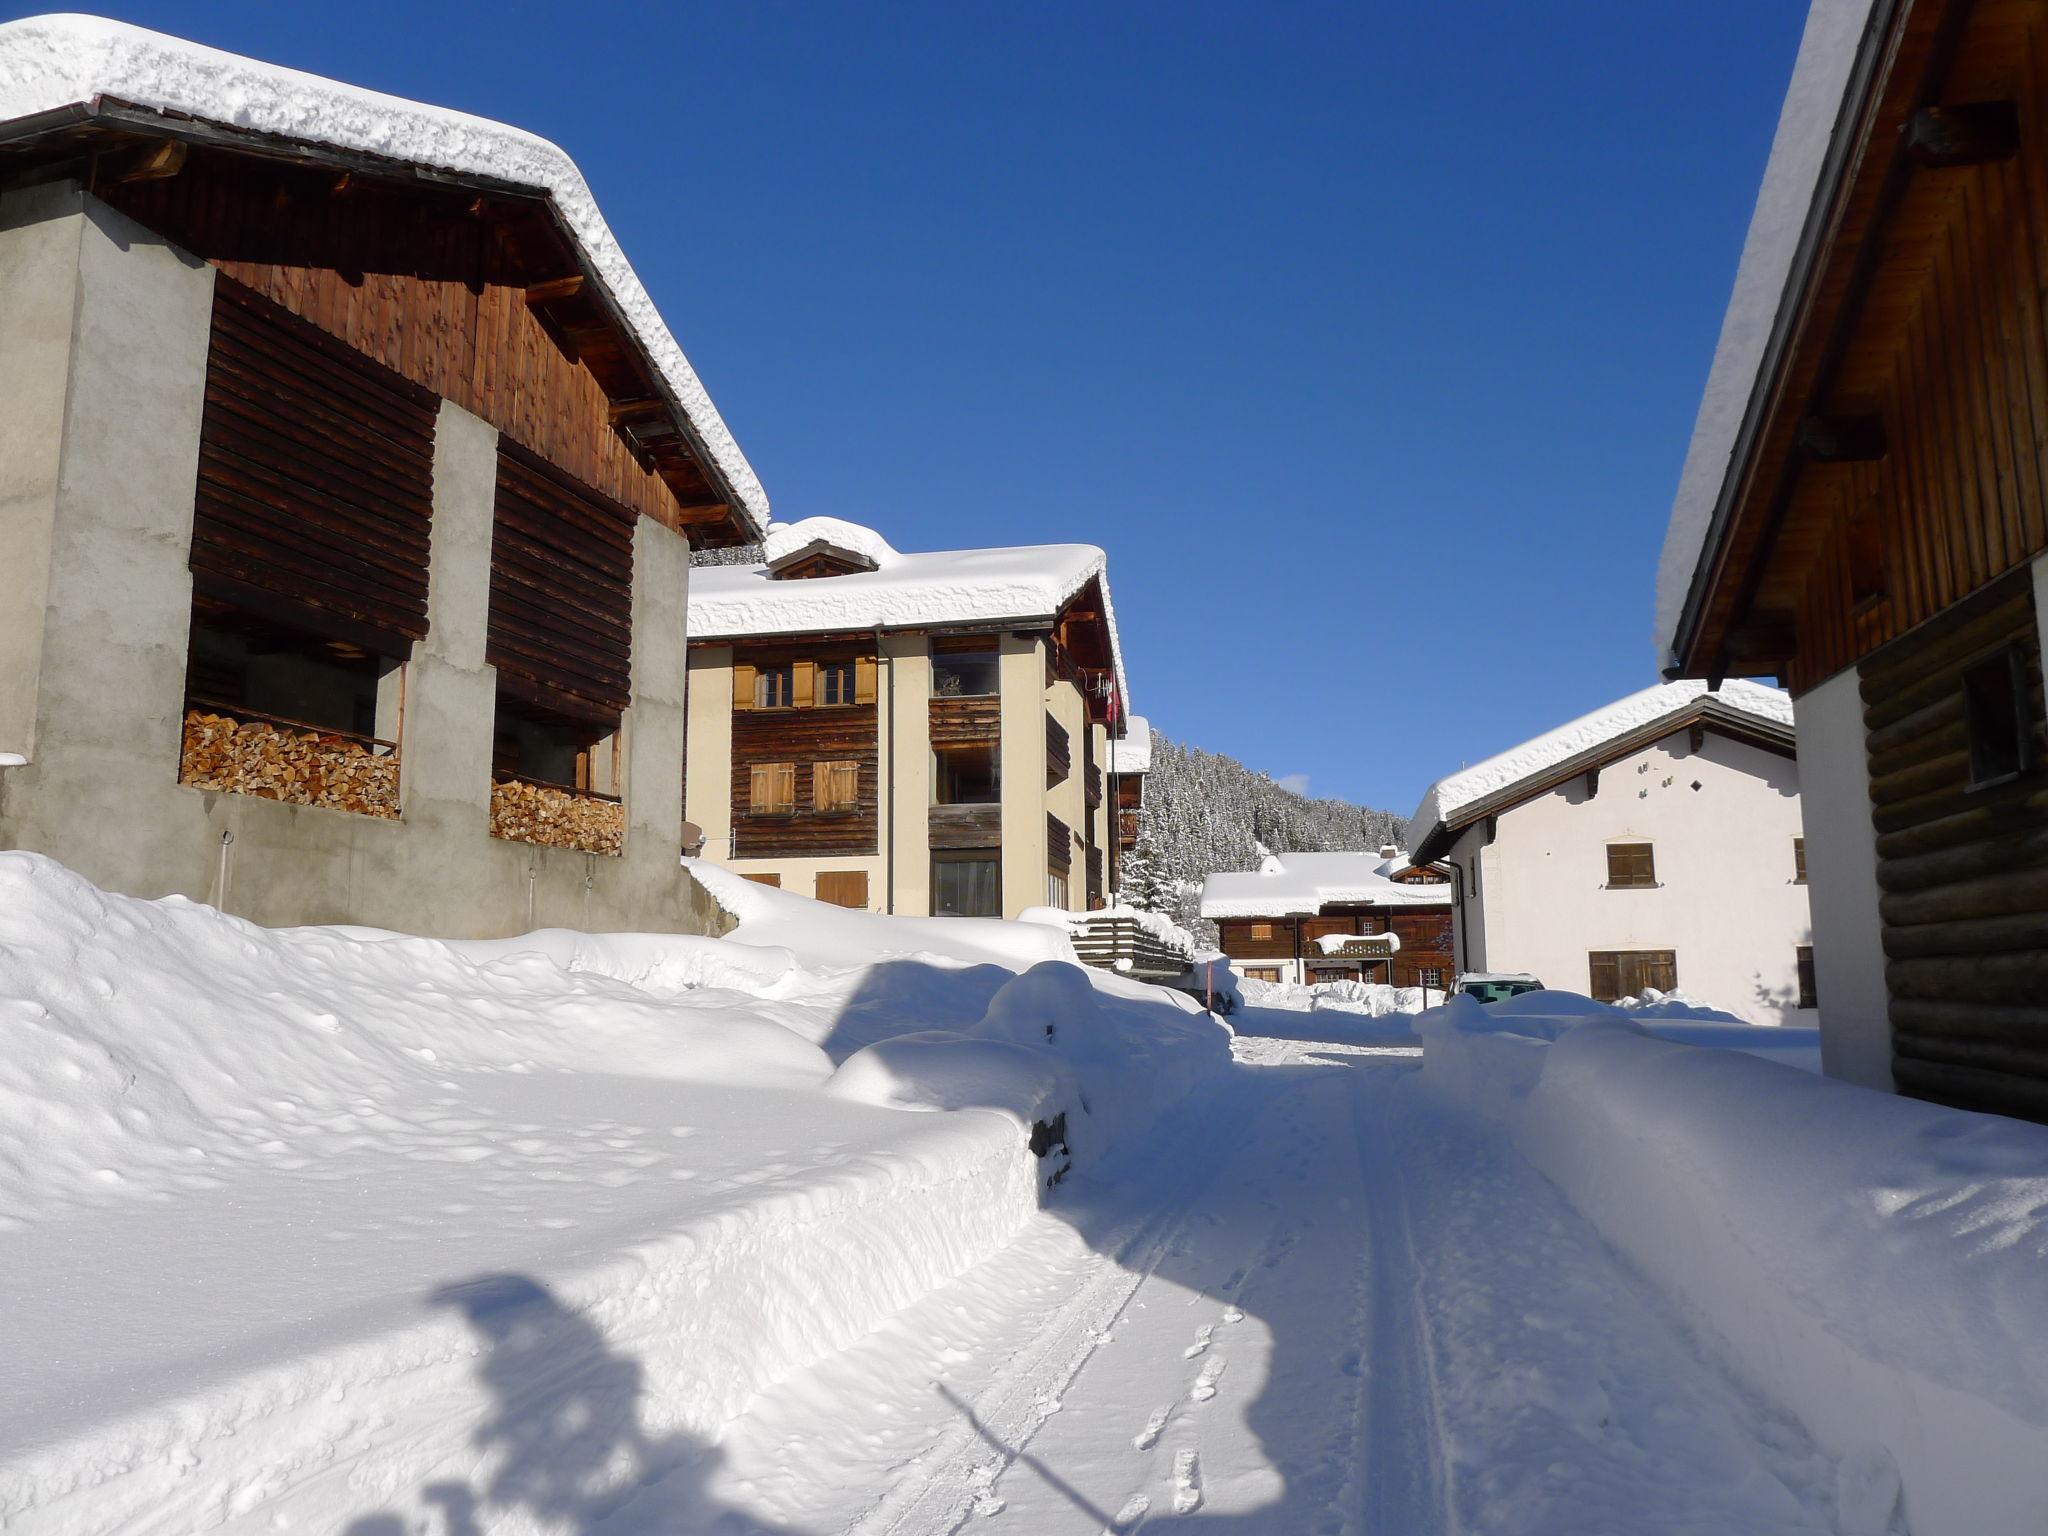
(1443, 800)
(1873, 1264)
(685, 1161)
(51, 62)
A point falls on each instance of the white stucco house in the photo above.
(1653, 843)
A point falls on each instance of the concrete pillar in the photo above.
(1841, 878)
(39, 235)
(656, 723)
(1024, 802)
(707, 775)
(905, 683)
(115, 594)
(451, 694)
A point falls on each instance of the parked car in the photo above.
(1492, 986)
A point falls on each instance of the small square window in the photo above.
(1809, 993)
(1998, 715)
(1631, 865)
(835, 682)
(1262, 930)
(775, 687)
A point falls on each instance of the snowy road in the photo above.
(1318, 1305)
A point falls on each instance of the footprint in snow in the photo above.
(1205, 1384)
(1136, 1507)
(1147, 1437)
(1187, 1483)
(1202, 1337)
(1233, 1315)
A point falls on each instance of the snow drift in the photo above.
(1872, 1263)
(285, 1210)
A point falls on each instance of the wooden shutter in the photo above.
(314, 501)
(1605, 975)
(765, 879)
(772, 789)
(1631, 864)
(561, 625)
(745, 679)
(1660, 970)
(1799, 861)
(804, 693)
(835, 786)
(864, 680)
(844, 887)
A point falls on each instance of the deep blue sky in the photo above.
(1366, 338)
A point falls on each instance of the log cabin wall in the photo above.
(805, 737)
(1426, 944)
(1962, 874)
(482, 348)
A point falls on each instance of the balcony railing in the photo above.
(1094, 783)
(967, 826)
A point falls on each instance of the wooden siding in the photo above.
(1426, 944)
(1234, 938)
(1059, 844)
(1962, 875)
(960, 722)
(561, 620)
(483, 349)
(1059, 753)
(1425, 934)
(804, 737)
(966, 826)
(314, 502)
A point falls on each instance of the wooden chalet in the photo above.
(389, 470)
(908, 733)
(1323, 917)
(1865, 514)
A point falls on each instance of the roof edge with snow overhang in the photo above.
(1836, 64)
(58, 72)
(1749, 711)
(1302, 884)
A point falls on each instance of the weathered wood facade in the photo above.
(1885, 511)
(805, 734)
(1290, 945)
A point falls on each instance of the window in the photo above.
(1799, 861)
(967, 884)
(1998, 714)
(1809, 993)
(772, 789)
(1262, 973)
(1056, 888)
(835, 682)
(966, 776)
(1630, 865)
(775, 687)
(1262, 930)
(835, 788)
(844, 888)
(965, 676)
(1617, 973)
(1431, 976)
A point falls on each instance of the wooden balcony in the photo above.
(958, 722)
(1095, 890)
(1059, 752)
(1094, 783)
(1116, 941)
(967, 826)
(1059, 843)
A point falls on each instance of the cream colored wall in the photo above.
(906, 666)
(1726, 900)
(707, 760)
(1068, 799)
(800, 876)
(1841, 865)
(1023, 747)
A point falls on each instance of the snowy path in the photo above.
(1318, 1305)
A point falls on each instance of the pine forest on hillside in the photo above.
(1206, 812)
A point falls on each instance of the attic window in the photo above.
(819, 558)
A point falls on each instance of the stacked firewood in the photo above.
(556, 818)
(253, 757)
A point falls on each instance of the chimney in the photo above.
(1389, 851)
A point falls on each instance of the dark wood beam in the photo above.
(1974, 133)
(157, 163)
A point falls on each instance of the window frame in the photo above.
(1983, 692)
(843, 671)
(782, 671)
(990, 856)
(1808, 982)
(944, 661)
(1628, 846)
(1799, 861)
(1059, 890)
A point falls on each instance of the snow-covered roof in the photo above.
(1022, 584)
(48, 63)
(1813, 101)
(1669, 704)
(1302, 884)
(1132, 753)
